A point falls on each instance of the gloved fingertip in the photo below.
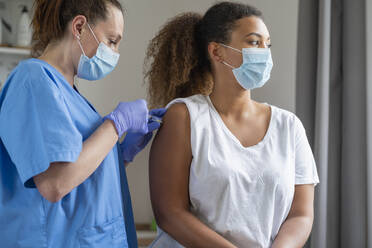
(158, 112)
(153, 126)
(148, 136)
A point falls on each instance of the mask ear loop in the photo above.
(235, 49)
(95, 37)
(91, 30)
(78, 40)
(224, 62)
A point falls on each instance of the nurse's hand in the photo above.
(133, 143)
(130, 117)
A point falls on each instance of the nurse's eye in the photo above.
(269, 45)
(113, 42)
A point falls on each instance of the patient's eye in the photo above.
(254, 42)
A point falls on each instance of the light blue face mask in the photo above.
(100, 65)
(255, 70)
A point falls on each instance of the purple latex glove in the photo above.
(130, 117)
(133, 143)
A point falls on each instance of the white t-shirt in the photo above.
(244, 193)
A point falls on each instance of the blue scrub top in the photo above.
(44, 120)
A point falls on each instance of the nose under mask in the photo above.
(256, 68)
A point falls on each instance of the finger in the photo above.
(158, 112)
(147, 138)
(153, 126)
(144, 140)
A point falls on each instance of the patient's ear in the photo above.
(216, 54)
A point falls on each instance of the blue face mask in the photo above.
(255, 70)
(100, 65)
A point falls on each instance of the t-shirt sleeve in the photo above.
(36, 126)
(305, 167)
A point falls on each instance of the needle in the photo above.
(154, 118)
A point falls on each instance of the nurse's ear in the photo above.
(77, 25)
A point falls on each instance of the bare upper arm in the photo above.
(303, 201)
(170, 160)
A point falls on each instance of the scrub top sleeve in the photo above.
(306, 172)
(36, 128)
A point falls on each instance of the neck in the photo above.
(229, 98)
(56, 56)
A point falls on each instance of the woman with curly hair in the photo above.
(225, 170)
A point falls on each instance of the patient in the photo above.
(225, 170)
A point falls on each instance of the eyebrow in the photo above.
(256, 34)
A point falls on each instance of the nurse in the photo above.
(62, 173)
(239, 173)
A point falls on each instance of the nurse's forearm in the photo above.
(294, 232)
(62, 177)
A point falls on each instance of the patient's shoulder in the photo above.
(172, 140)
(177, 116)
(192, 106)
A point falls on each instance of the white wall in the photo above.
(142, 20)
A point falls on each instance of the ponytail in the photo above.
(173, 65)
(46, 24)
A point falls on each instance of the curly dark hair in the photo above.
(177, 61)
